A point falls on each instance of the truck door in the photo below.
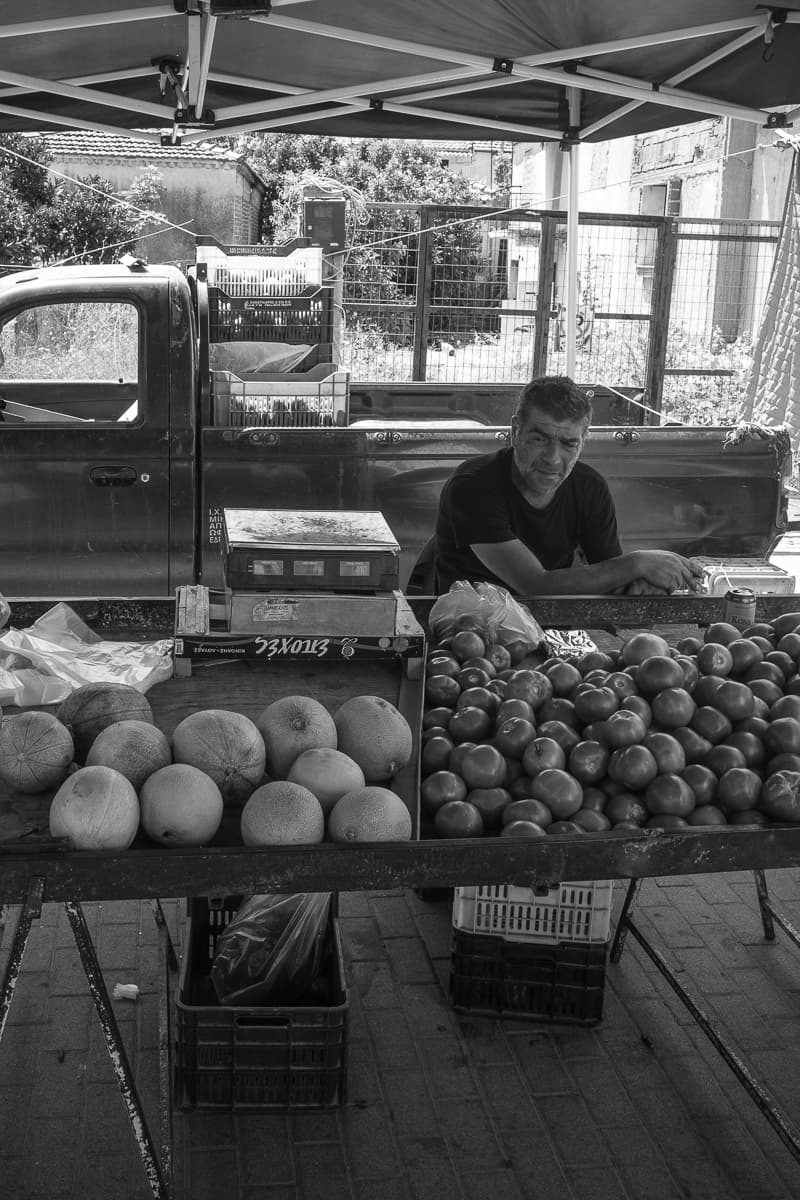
(84, 450)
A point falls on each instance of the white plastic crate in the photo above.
(570, 912)
(308, 399)
(257, 275)
(762, 577)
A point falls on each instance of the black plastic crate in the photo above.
(236, 1057)
(560, 982)
(295, 320)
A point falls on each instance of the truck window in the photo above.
(75, 361)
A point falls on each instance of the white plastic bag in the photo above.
(59, 652)
(487, 608)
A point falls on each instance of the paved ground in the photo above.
(439, 1106)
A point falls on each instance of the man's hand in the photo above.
(663, 569)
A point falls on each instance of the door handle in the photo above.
(113, 476)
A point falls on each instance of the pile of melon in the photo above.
(297, 774)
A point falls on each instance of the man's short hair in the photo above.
(556, 395)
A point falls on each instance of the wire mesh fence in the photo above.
(668, 307)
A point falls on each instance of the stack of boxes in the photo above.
(272, 295)
(519, 953)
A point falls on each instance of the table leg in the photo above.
(31, 909)
(116, 1049)
(622, 924)
(770, 915)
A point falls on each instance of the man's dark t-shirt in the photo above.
(479, 503)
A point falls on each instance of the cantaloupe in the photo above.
(369, 814)
(291, 725)
(372, 731)
(225, 745)
(93, 706)
(36, 751)
(281, 814)
(326, 773)
(181, 806)
(95, 808)
(133, 748)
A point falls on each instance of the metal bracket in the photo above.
(570, 137)
(188, 118)
(376, 104)
(503, 66)
(777, 121)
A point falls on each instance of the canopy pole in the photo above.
(571, 283)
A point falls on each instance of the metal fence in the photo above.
(667, 306)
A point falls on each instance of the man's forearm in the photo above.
(588, 579)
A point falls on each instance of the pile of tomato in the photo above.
(703, 733)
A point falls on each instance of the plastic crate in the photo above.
(302, 319)
(261, 270)
(235, 1057)
(560, 983)
(319, 397)
(577, 912)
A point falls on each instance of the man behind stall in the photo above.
(535, 519)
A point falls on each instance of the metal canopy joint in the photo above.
(503, 66)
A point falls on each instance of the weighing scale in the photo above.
(300, 583)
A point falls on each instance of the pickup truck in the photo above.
(118, 452)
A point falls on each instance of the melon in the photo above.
(181, 806)
(282, 814)
(93, 706)
(225, 745)
(369, 814)
(291, 725)
(36, 751)
(326, 773)
(372, 731)
(96, 808)
(133, 748)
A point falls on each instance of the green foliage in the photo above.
(45, 219)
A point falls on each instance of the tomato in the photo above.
(622, 684)
(595, 731)
(625, 807)
(722, 758)
(472, 677)
(532, 686)
(483, 767)
(513, 735)
(439, 715)
(440, 788)
(689, 645)
(745, 654)
(458, 754)
(499, 656)
(695, 747)
(442, 664)
(780, 658)
(597, 677)
(563, 677)
(562, 794)
(435, 755)
(752, 747)
(595, 660)
(790, 644)
(738, 790)
(522, 829)
(722, 632)
(479, 697)
(759, 629)
(656, 673)
(458, 819)
(541, 753)
(753, 817)
(624, 728)
(782, 736)
(442, 690)
(707, 814)
(714, 659)
(702, 781)
(591, 821)
(780, 796)
(559, 709)
(490, 803)
(667, 752)
(735, 700)
(594, 798)
(711, 724)
(588, 761)
(632, 766)
(527, 809)
(467, 644)
(766, 690)
(513, 770)
(785, 623)
(787, 706)
(666, 821)
(565, 735)
(754, 725)
(469, 724)
(782, 762)
(669, 794)
(596, 704)
(691, 671)
(638, 704)
(514, 708)
(672, 707)
(643, 645)
(563, 827)
(792, 686)
(498, 687)
(766, 670)
(433, 731)
(706, 689)
(520, 788)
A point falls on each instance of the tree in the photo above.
(45, 219)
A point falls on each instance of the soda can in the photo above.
(739, 607)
